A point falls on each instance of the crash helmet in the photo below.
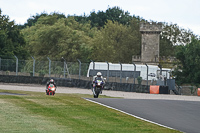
(99, 74)
(51, 81)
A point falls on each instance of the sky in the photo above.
(184, 13)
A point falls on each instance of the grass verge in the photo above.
(36, 112)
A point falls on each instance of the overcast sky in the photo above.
(185, 13)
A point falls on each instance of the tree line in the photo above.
(111, 36)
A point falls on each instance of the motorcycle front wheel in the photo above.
(96, 93)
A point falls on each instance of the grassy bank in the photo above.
(65, 113)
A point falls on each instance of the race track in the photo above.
(173, 111)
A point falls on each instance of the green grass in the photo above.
(36, 112)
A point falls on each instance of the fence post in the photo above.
(93, 67)
(64, 67)
(33, 65)
(108, 72)
(67, 70)
(120, 72)
(147, 73)
(134, 71)
(79, 68)
(0, 63)
(160, 66)
(16, 65)
(49, 66)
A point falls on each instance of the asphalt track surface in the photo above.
(173, 111)
(176, 114)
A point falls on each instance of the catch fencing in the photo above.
(47, 69)
(63, 69)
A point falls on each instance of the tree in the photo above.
(118, 15)
(115, 42)
(33, 19)
(118, 32)
(187, 70)
(100, 18)
(176, 35)
(166, 47)
(58, 38)
(11, 40)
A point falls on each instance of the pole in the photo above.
(16, 65)
(33, 65)
(160, 66)
(68, 71)
(79, 68)
(49, 66)
(93, 67)
(147, 73)
(64, 66)
(0, 63)
(120, 72)
(134, 71)
(107, 72)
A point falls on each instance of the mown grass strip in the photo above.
(35, 112)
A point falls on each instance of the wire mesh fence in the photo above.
(44, 68)
(63, 69)
(75, 70)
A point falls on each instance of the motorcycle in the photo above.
(51, 90)
(97, 87)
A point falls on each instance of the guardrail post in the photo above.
(16, 65)
(49, 66)
(33, 65)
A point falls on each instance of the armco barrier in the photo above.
(82, 83)
(126, 87)
(21, 79)
(34, 80)
(74, 83)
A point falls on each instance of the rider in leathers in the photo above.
(50, 82)
(95, 77)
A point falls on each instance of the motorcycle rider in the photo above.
(99, 75)
(51, 81)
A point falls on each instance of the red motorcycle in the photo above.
(51, 90)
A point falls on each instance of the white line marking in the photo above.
(129, 114)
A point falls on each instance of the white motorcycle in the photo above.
(97, 87)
